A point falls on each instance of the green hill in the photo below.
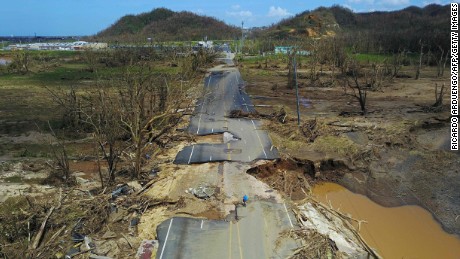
(165, 25)
(387, 31)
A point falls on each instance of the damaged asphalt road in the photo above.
(254, 231)
(253, 236)
(224, 93)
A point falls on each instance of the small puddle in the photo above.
(88, 169)
(305, 102)
(399, 232)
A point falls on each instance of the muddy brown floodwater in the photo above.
(399, 232)
(88, 169)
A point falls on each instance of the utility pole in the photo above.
(242, 37)
(296, 91)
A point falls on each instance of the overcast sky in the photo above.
(87, 17)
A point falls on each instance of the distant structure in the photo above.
(69, 46)
(205, 44)
(288, 49)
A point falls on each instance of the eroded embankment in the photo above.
(295, 176)
(394, 232)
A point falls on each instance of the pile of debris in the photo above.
(77, 222)
(334, 235)
(289, 176)
(202, 191)
(243, 114)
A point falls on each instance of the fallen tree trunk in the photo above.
(39, 235)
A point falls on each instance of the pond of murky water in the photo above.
(399, 232)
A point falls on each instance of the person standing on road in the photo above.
(245, 199)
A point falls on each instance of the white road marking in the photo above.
(166, 239)
(199, 122)
(289, 217)
(201, 111)
(191, 154)
(260, 141)
(202, 224)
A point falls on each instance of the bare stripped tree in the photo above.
(95, 111)
(441, 61)
(69, 101)
(132, 111)
(419, 67)
(61, 159)
(101, 112)
(358, 81)
(291, 60)
(150, 107)
(438, 96)
(393, 67)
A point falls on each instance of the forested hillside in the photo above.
(370, 32)
(165, 25)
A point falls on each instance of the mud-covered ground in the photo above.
(396, 154)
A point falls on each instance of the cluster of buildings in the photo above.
(69, 46)
(288, 49)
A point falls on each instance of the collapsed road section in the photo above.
(224, 93)
(266, 226)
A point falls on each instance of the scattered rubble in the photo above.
(202, 192)
(336, 227)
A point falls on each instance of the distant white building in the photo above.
(77, 45)
(205, 44)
